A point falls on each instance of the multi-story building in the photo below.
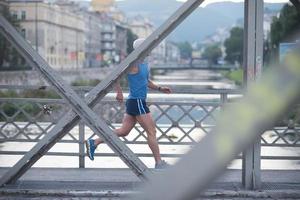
(93, 39)
(114, 31)
(3, 5)
(108, 39)
(92, 32)
(121, 42)
(102, 5)
(172, 52)
(142, 27)
(114, 40)
(55, 31)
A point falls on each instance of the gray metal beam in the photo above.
(249, 41)
(192, 68)
(253, 59)
(78, 105)
(259, 37)
(238, 126)
(71, 119)
(296, 3)
(259, 45)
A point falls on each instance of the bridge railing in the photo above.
(180, 122)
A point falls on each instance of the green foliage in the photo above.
(212, 54)
(234, 46)
(31, 109)
(29, 94)
(283, 29)
(40, 94)
(10, 109)
(8, 94)
(284, 26)
(236, 76)
(84, 82)
(130, 39)
(185, 50)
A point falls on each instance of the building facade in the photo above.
(57, 33)
(102, 5)
(142, 27)
(108, 39)
(172, 52)
(121, 42)
(3, 5)
(93, 39)
(113, 40)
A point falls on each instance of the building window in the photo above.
(52, 50)
(14, 14)
(23, 15)
(23, 32)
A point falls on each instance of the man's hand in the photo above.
(166, 90)
(120, 97)
(119, 92)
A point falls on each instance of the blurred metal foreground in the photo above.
(265, 102)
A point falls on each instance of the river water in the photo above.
(178, 81)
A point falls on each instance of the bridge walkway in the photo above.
(116, 183)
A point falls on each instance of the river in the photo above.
(178, 81)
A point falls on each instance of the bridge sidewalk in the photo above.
(117, 182)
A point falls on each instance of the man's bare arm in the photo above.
(153, 86)
(119, 92)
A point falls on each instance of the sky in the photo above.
(213, 1)
(205, 3)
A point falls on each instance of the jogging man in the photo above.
(136, 108)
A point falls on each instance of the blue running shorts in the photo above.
(136, 107)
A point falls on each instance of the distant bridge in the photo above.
(175, 66)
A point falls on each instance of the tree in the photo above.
(185, 50)
(234, 46)
(212, 54)
(284, 28)
(130, 39)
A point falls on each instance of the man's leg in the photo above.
(146, 121)
(127, 125)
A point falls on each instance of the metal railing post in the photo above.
(81, 133)
(253, 54)
(224, 98)
(81, 144)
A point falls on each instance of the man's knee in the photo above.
(123, 132)
(152, 133)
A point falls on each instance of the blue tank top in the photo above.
(138, 83)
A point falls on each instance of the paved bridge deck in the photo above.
(116, 182)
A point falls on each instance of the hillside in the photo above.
(203, 22)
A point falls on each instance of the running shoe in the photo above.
(90, 148)
(162, 165)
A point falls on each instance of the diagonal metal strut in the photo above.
(77, 104)
(95, 95)
(296, 3)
